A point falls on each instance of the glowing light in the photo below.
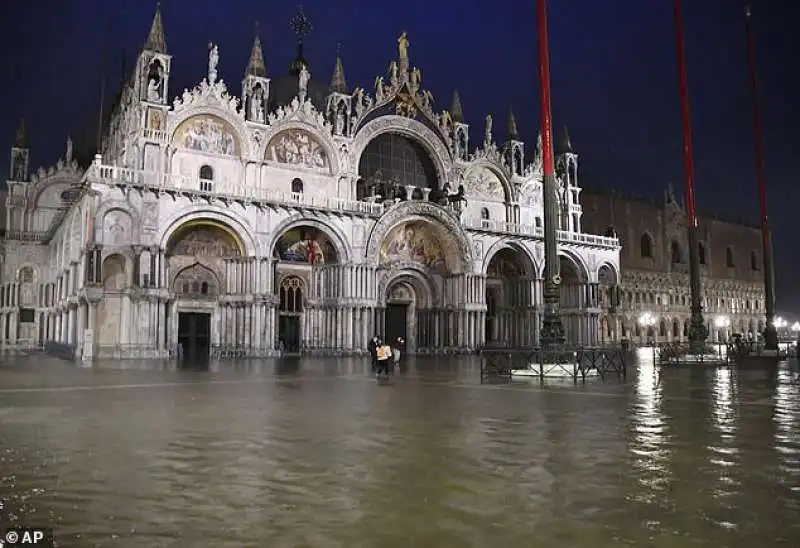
(722, 321)
(647, 319)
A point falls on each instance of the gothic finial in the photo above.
(21, 139)
(564, 143)
(155, 40)
(456, 112)
(301, 24)
(512, 126)
(256, 65)
(402, 50)
(338, 82)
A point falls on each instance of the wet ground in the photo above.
(318, 454)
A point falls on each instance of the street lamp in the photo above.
(779, 322)
(796, 327)
(647, 320)
(722, 323)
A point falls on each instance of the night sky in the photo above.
(612, 62)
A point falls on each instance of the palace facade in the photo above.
(654, 299)
(305, 216)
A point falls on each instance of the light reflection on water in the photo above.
(322, 455)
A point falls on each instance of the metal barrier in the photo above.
(574, 362)
(60, 350)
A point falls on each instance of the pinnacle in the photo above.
(456, 112)
(256, 65)
(512, 126)
(155, 40)
(21, 139)
(564, 142)
(338, 82)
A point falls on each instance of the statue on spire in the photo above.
(402, 49)
(213, 61)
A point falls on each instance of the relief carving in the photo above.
(203, 242)
(298, 148)
(482, 183)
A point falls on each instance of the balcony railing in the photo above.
(169, 182)
(26, 236)
(519, 229)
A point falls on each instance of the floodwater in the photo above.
(318, 454)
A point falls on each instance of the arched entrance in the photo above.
(608, 303)
(576, 299)
(406, 313)
(309, 285)
(510, 276)
(204, 259)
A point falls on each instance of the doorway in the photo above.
(289, 333)
(396, 321)
(194, 336)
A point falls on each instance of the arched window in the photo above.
(754, 266)
(206, 178)
(676, 252)
(484, 214)
(729, 258)
(297, 186)
(701, 252)
(291, 295)
(646, 246)
(538, 222)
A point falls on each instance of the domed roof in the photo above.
(283, 89)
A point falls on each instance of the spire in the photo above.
(155, 40)
(456, 112)
(338, 82)
(256, 66)
(513, 134)
(564, 143)
(21, 140)
(301, 26)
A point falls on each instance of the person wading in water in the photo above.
(384, 352)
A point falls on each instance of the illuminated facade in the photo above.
(303, 217)
(653, 294)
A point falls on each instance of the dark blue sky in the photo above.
(612, 62)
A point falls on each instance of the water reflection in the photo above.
(648, 448)
(786, 419)
(724, 458)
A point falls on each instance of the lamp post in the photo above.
(779, 324)
(552, 331)
(722, 322)
(697, 328)
(770, 333)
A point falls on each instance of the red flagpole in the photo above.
(548, 164)
(770, 333)
(697, 328)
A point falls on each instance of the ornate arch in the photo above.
(323, 138)
(499, 171)
(222, 218)
(611, 266)
(417, 277)
(110, 205)
(404, 211)
(510, 243)
(408, 127)
(337, 237)
(235, 124)
(27, 264)
(580, 265)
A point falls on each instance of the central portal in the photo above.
(289, 333)
(396, 321)
(194, 336)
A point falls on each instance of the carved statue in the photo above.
(339, 126)
(416, 78)
(153, 94)
(402, 45)
(427, 99)
(68, 156)
(393, 72)
(488, 133)
(303, 79)
(213, 61)
(379, 88)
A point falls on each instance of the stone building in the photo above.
(653, 295)
(303, 216)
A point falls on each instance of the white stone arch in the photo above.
(336, 236)
(577, 261)
(515, 245)
(324, 138)
(612, 267)
(211, 213)
(408, 127)
(110, 205)
(425, 211)
(417, 278)
(23, 265)
(200, 265)
(174, 121)
(498, 170)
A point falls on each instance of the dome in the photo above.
(284, 88)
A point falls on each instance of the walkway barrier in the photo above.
(60, 350)
(571, 362)
(21, 347)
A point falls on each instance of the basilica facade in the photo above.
(304, 216)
